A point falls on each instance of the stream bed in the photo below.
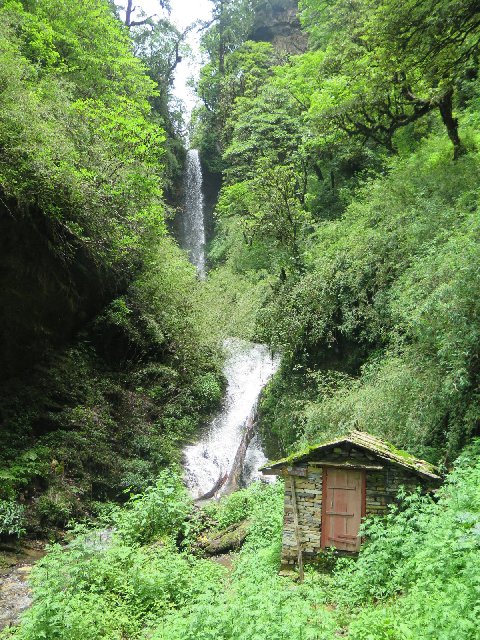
(15, 567)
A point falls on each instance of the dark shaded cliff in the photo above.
(49, 287)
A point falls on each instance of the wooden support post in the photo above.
(297, 529)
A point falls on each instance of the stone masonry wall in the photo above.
(309, 504)
(383, 486)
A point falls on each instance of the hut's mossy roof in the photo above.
(380, 448)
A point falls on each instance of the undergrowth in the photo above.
(416, 576)
(103, 417)
(380, 329)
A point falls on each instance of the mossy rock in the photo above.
(230, 539)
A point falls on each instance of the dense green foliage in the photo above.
(76, 136)
(347, 238)
(343, 195)
(12, 518)
(391, 287)
(104, 395)
(107, 414)
(416, 577)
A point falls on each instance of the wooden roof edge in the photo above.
(299, 455)
(418, 470)
(368, 442)
(389, 452)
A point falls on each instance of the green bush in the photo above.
(207, 390)
(159, 512)
(56, 506)
(417, 576)
(256, 602)
(387, 304)
(29, 465)
(97, 591)
(105, 585)
(12, 518)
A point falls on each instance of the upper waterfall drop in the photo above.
(193, 217)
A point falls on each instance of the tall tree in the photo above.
(228, 29)
(388, 63)
(130, 10)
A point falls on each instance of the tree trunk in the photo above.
(221, 41)
(128, 13)
(446, 111)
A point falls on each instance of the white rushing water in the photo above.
(193, 219)
(248, 368)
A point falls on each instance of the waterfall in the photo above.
(248, 368)
(193, 222)
(228, 453)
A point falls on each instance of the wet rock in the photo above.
(15, 594)
(276, 21)
(225, 560)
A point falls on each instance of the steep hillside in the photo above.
(104, 369)
(351, 189)
(346, 239)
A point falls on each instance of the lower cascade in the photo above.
(212, 464)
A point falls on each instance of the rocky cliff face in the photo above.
(46, 295)
(276, 21)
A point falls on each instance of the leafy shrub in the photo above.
(207, 390)
(418, 575)
(138, 475)
(56, 506)
(30, 464)
(12, 518)
(158, 512)
(230, 509)
(256, 603)
(95, 591)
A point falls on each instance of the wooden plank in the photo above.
(344, 493)
(297, 471)
(346, 465)
(297, 529)
(323, 525)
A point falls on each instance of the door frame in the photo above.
(363, 499)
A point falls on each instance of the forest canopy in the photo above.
(350, 176)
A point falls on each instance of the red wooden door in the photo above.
(343, 508)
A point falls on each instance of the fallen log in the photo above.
(230, 539)
(235, 475)
(216, 487)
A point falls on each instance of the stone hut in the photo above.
(330, 487)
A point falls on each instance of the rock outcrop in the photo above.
(277, 21)
(50, 286)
